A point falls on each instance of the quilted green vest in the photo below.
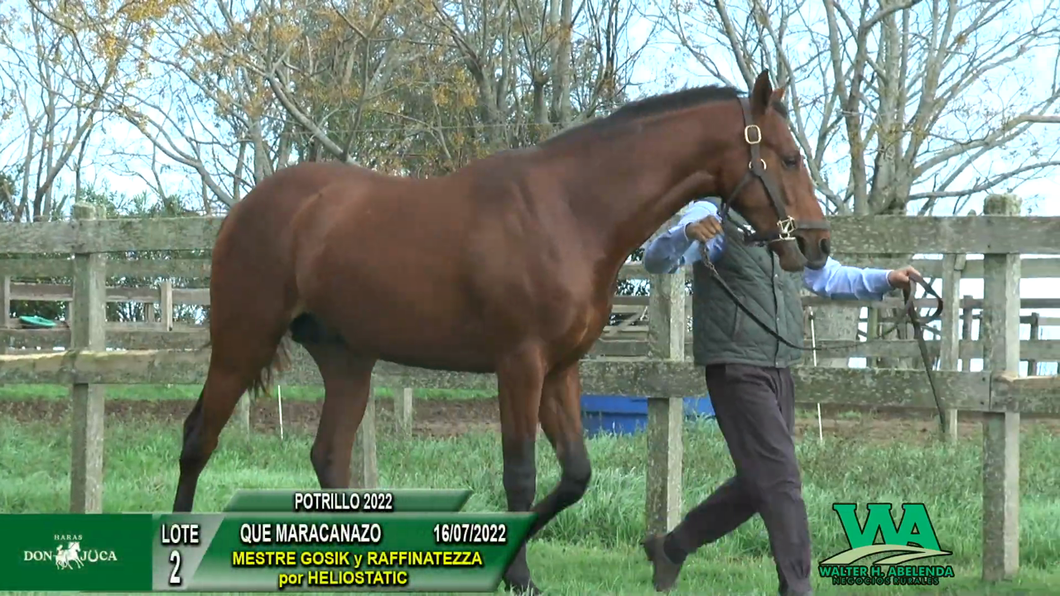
(724, 334)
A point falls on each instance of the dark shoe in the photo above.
(664, 571)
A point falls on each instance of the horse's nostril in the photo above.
(826, 246)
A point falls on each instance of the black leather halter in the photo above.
(787, 226)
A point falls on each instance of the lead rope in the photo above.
(918, 329)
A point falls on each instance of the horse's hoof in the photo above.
(521, 587)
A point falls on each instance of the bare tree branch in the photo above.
(888, 97)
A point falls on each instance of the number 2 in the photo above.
(174, 577)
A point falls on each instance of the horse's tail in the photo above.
(281, 361)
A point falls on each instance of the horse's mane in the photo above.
(658, 104)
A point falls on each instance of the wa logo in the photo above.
(910, 540)
(68, 554)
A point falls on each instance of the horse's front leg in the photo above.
(520, 377)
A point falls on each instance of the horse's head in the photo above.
(767, 181)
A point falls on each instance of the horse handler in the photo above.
(750, 384)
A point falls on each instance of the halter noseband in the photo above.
(787, 226)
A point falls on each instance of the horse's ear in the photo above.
(761, 94)
(778, 95)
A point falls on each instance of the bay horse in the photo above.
(507, 266)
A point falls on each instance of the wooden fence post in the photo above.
(242, 413)
(872, 332)
(1036, 332)
(999, 330)
(165, 302)
(5, 306)
(87, 333)
(949, 348)
(364, 468)
(403, 412)
(666, 340)
(967, 316)
(5, 300)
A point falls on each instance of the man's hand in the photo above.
(704, 229)
(899, 278)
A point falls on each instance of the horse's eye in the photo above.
(791, 162)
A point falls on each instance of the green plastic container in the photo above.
(35, 321)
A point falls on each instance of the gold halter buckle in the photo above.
(757, 134)
(787, 228)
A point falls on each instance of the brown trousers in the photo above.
(754, 407)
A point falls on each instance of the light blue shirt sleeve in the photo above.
(673, 249)
(843, 282)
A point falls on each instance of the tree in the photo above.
(61, 64)
(198, 110)
(41, 69)
(896, 105)
(231, 91)
(443, 83)
(923, 100)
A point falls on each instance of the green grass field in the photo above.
(591, 548)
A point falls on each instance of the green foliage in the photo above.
(8, 194)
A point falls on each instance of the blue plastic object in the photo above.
(37, 322)
(628, 415)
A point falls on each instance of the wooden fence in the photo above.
(666, 376)
(627, 338)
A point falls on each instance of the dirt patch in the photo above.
(886, 424)
(448, 417)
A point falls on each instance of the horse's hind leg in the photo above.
(347, 383)
(519, 382)
(232, 371)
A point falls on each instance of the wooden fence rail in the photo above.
(188, 267)
(623, 305)
(140, 336)
(626, 339)
(665, 377)
(872, 235)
